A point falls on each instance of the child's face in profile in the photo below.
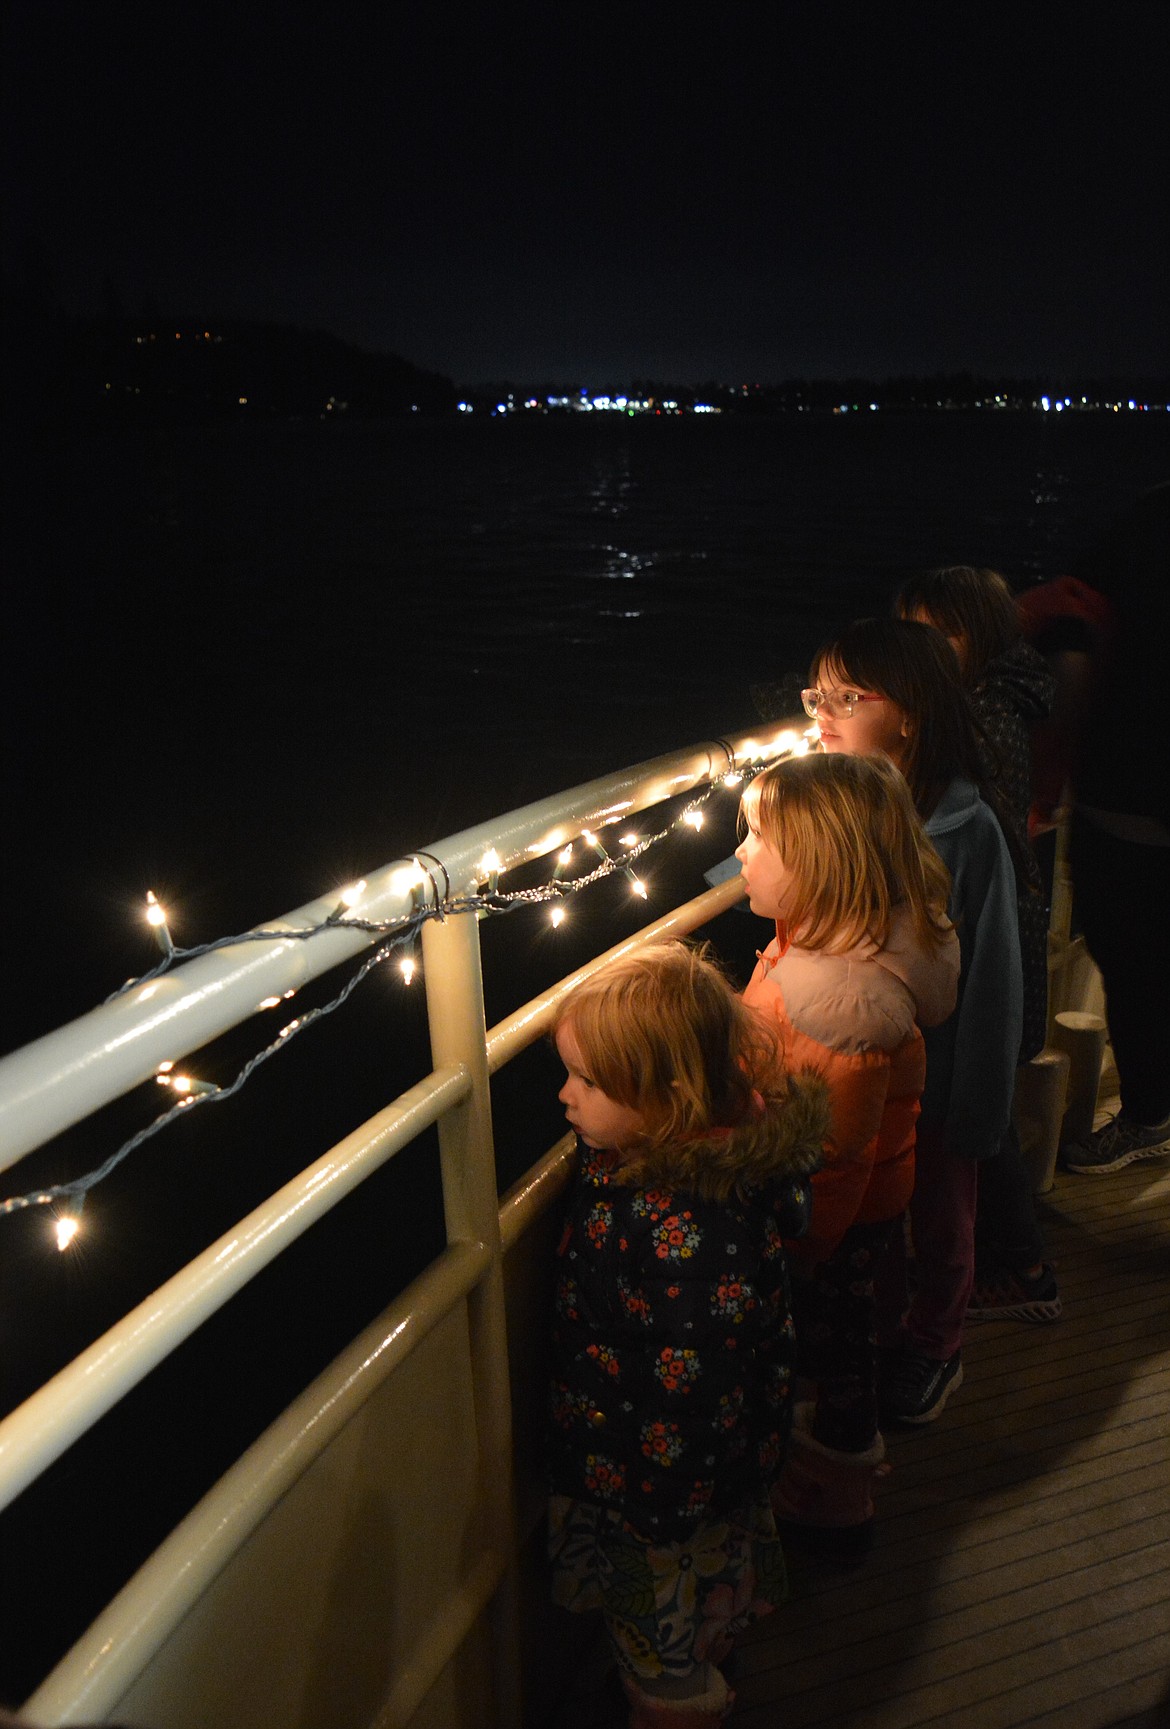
(599, 1120)
(768, 880)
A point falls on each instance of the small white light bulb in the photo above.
(557, 915)
(187, 1085)
(156, 918)
(407, 968)
(67, 1228)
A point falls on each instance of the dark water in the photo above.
(244, 664)
(251, 659)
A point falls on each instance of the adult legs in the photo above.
(1121, 889)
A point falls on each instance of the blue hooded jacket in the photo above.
(971, 1058)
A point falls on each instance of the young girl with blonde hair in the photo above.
(672, 1342)
(863, 953)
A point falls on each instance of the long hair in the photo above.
(662, 1032)
(846, 828)
(967, 601)
(914, 666)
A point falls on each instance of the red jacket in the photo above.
(854, 1019)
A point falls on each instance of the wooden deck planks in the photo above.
(1020, 1575)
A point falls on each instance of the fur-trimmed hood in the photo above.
(866, 998)
(785, 1141)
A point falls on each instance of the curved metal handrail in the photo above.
(63, 1077)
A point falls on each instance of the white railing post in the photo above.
(458, 1030)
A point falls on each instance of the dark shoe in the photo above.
(918, 1387)
(1007, 1296)
(1119, 1143)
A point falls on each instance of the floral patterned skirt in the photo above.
(667, 1606)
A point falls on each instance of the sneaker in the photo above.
(1008, 1296)
(918, 1387)
(1119, 1143)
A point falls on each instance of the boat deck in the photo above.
(1020, 1572)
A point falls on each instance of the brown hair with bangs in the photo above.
(662, 1031)
(846, 828)
(914, 666)
(967, 601)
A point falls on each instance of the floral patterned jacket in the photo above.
(672, 1338)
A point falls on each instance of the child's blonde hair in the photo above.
(846, 828)
(662, 1032)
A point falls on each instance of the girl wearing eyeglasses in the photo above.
(893, 686)
(1011, 689)
(863, 954)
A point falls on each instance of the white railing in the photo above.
(139, 1642)
(60, 1079)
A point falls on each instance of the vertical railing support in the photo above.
(458, 1031)
(1059, 924)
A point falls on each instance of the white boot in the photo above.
(825, 1489)
(704, 1711)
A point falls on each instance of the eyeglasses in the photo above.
(837, 704)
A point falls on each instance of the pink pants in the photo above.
(942, 1226)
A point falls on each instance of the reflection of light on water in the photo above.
(609, 489)
(621, 566)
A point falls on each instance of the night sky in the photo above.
(601, 193)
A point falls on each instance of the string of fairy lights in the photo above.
(430, 886)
